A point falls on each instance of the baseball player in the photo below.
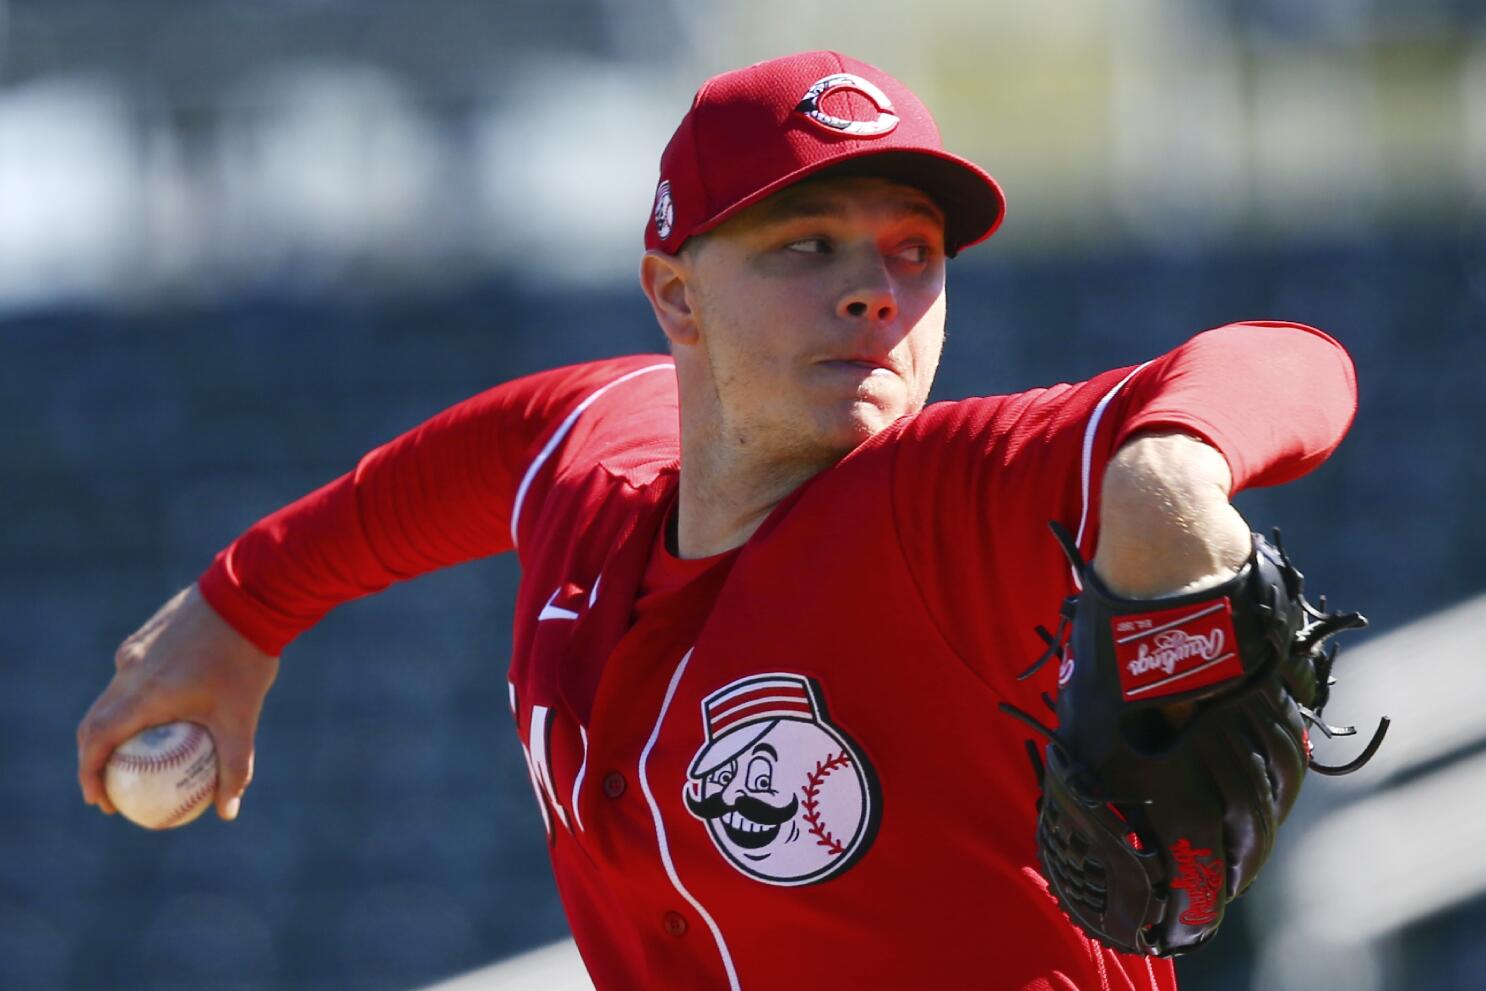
(774, 608)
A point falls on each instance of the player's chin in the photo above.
(860, 419)
(845, 418)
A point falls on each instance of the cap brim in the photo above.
(725, 748)
(971, 199)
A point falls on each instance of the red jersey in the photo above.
(785, 766)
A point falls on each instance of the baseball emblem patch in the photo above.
(664, 213)
(785, 796)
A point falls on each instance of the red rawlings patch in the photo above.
(1200, 875)
(1175, 650)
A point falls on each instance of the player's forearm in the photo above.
(282, 575)
(1166, 525)
(1275, 398)
(434, 497)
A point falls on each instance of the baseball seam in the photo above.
(189, 805)
(823, 770)
(173, 757)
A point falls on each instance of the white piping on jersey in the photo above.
(536, 788)
(594, 594)
(557, 438)
(542, 761)
(660, 829)
(531, 769)
(578, 781)
(1088, 462)
(549, 611)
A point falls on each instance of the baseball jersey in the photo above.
(785, 765)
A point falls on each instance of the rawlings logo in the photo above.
(1175, 650)
(1175, 646)
(1201, 878)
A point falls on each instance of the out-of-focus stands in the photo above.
(391, 837)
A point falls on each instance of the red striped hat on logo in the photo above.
(752, 132)
(759, 702)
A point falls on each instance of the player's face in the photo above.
(820, 314)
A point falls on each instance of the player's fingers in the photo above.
(92, 755)
(93, 749)
(234, 767)
(113, 718)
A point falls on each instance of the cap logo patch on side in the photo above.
(810, 106)
(1175, 650)
(664, 213)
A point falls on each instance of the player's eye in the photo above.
(810, 246)
(918, 254)
(760, 775)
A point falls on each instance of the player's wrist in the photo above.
(1166, 526)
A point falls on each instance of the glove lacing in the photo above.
(1320, 626)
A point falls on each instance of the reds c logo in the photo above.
(786, 798)
(664, 212)
(809, 105)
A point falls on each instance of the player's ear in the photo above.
(665, 278)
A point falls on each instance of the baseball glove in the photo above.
(1180, 747)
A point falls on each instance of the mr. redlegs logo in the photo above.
(1175, 650)
(1200, 875)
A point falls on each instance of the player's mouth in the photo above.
(859, 364)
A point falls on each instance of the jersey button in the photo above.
(614, 785)
(674, 923)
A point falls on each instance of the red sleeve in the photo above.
(976, 482)
(1276, 398)
(440, 494)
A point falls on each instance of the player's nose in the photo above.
(869, 294)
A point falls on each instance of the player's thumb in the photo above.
(234, 768)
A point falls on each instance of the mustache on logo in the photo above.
(752, 808)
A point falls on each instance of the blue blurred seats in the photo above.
(392, 836)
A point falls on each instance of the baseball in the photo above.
(164, 776)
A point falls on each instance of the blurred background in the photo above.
(243, 241)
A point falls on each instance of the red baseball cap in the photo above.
(752, 132)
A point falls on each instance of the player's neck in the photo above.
(726, 493)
